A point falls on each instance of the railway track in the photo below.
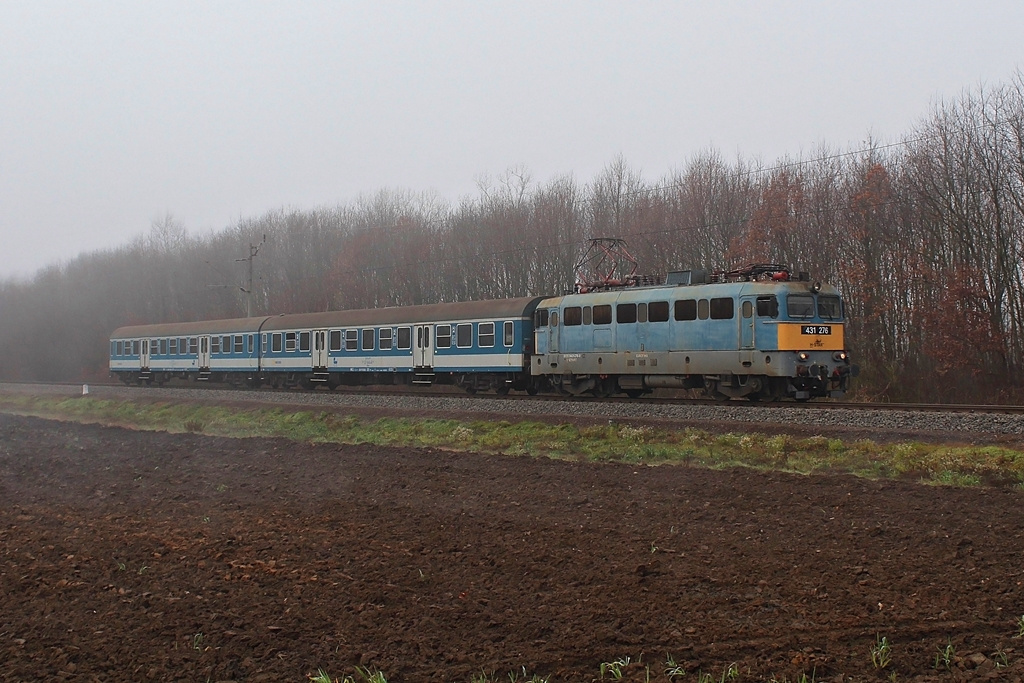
(454, 394)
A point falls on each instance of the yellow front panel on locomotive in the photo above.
(811, 337)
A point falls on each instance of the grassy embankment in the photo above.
(613, 442)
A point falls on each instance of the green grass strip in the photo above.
(953, 465)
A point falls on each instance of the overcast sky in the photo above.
(114, 113)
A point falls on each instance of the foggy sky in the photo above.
(114, 113)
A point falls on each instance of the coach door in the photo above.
(423, 347)
(144, 355)
(204, 352)
(319, 347)
(747, 307)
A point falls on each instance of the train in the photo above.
(756, 333)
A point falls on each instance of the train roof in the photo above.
(684, 291)
(393, 315)
(464, 310)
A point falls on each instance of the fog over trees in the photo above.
(925, 239)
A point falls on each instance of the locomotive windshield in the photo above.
(829, 308)
(800, 305)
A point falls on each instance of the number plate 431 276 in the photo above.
(817, 330)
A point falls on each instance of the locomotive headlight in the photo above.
(803, 355)
(840, 356)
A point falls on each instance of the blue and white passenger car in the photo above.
(475, 345)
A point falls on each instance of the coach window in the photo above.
(173, 349)
(767, 307)
(118, 348)
(625, 313)
(289, 341)
(303, 341)
(263, 339)
(225, 344)
(572, 316)
(183, 346)
(193, 345)
(485, 335)
(540, 318)
(464, 335)
(657, 311)
(443, 336)
(722, 309)
(641, 313)
(251, 344)
(215, 345)
(239, 344)
(800, 306)
(686, 309)
(509, 333)
(748, 309)
(276, 342)
(404, 338)
(367, 339)
(588, 315)
(603, 314)
(386, 336)
(351, 340)
(163, 347)
(335, 340)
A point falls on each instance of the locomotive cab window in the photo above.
(588, 315)
(830, 308)
(603, 314)
(748, 310)
(767, 307)
(625, 313)
(572, 316)
(540, 318)
(800, 305)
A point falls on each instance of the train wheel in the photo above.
(532, 390)
(634, 393)
(502, 390)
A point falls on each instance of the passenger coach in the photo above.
(474, 345)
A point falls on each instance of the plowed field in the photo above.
(139, 556)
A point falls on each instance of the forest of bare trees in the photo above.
(925, 238)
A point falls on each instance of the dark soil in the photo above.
(139, 556)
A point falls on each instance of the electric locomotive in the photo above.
(755, 333)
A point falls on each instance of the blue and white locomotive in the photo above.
(754, 333)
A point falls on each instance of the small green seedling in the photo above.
(881, 652)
